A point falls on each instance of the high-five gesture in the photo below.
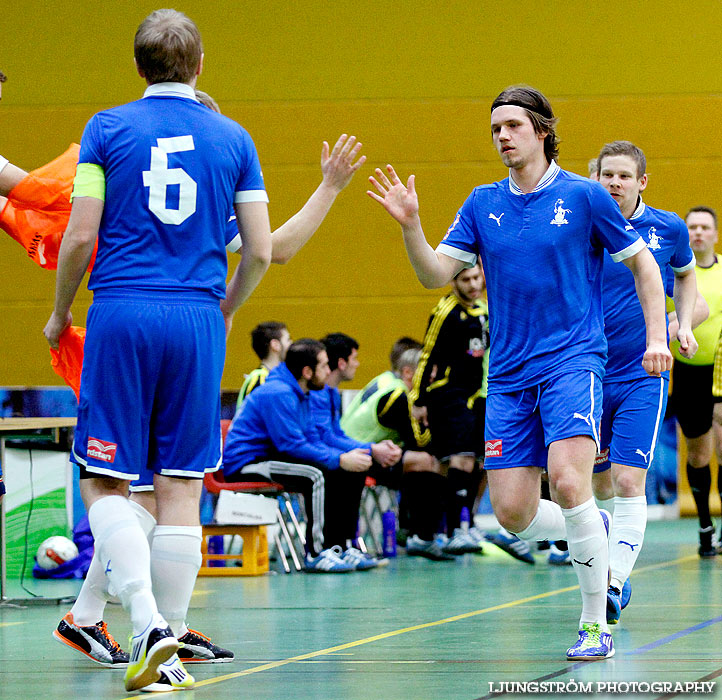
(433, 270)
(339, 167)
(399, 201)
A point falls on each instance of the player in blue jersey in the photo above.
(541, 234)
(155, 182)
(634, 402)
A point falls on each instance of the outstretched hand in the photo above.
(338, 166)
(400, 202)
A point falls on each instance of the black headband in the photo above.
(519, 103)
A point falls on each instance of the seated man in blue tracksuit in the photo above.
(273, 436)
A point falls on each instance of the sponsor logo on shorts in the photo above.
(100, 449)
(602, 457)
(492, 448)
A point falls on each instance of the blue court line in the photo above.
(672, 637)
(640, 650)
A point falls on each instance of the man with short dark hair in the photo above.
(634, 402)
(696, 395)
(273, 436)
(157, 326)
(544, 401)
(344, 489)
(270, 341)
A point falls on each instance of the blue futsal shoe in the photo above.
(614, 605)
(593, 644)
(626, 593)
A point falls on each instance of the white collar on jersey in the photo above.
(641, 206)
(547, 179)
(170, 90)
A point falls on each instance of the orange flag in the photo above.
(37, 209)
(67, 360)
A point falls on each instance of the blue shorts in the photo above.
(521, 425)
(150, 386)
(633, 415)
(145, 482)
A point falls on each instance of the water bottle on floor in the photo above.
(388, 532)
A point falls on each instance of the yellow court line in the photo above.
(10, 624)
(426, 625)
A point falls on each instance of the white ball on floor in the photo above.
(55, 551)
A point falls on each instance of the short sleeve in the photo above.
(682, 259)
(250, 186)
(92, 145)
(610, 228)
(460, 241)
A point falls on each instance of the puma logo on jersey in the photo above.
(496, 218)
(631, 546)
(588, 562)
(645, 455)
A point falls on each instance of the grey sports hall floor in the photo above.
(415, 630)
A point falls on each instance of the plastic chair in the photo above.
(214, 483)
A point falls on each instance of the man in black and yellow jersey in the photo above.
(270, 341)
(381, 411)
(692, 400)
(449, 396)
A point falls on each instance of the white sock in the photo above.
(89, 606)
(606, 504)
(175, 560)
(588, 549)
(626, 537)
(547, 524)
(146, 520)
(122, 548)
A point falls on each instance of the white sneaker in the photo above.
(328, 562)
(359, 560)
(148, 650)
(173, 676)
(461, 542)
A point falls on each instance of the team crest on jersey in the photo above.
(476, 347)
(560, 213)
(100, 449)
(492, 448)
(654, 239)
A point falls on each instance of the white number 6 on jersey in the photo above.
(160, 176)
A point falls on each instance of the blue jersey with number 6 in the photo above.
(173, 169)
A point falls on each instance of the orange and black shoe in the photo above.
(197, 648)
(94, 641)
